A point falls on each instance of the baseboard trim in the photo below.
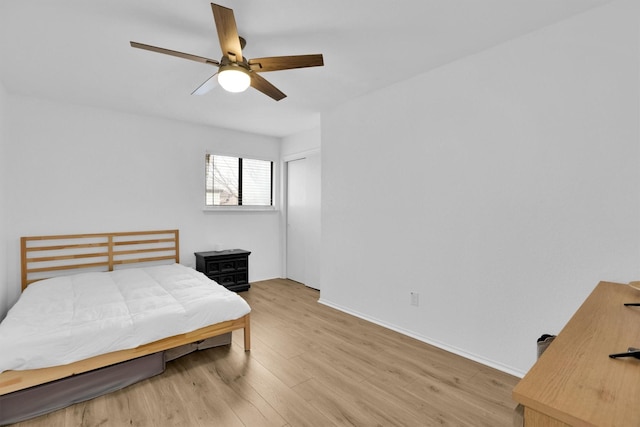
(451, 349)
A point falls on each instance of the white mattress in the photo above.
(66, 319)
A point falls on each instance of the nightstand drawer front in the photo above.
(212, 267)
(231, 279)
(226, 280)
(217, 267)
(227, 266)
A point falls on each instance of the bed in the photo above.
(101, 311)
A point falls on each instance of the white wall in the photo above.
(301, 142)
(501, 188)
(3, 205)
(78, 169)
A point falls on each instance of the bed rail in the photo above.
(47, 256)
(11, 381)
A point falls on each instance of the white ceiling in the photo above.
(78, 51)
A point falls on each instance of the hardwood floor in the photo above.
(309, 365)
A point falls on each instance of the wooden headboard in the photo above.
(47, 256)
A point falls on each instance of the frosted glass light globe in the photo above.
(234, 79)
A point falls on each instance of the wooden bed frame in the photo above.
(48, 256)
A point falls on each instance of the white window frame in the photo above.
(242, 208)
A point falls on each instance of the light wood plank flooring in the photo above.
(309, 365)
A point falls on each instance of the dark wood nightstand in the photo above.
(229, 268)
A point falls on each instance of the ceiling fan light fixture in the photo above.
(234, 78)
(236, 72)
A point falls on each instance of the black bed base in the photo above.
(42, 399)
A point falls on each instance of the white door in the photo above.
(303, 220)
(296, 202)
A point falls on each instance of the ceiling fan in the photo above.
(236, 73)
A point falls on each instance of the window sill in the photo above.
(239, 209)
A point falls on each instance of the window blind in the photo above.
(237, 181)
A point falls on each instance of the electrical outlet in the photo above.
(415, 299)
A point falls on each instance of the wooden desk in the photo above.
(575, 382)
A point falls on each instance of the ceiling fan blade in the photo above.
(175, 53)
(208, 84)
(260, 83)
(275, 63)
(227, 32)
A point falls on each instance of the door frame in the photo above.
(284, 167)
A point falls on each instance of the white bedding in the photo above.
(65, 319)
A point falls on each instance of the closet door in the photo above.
(296, 220)
(303, 220)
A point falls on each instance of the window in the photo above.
(236, 181)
